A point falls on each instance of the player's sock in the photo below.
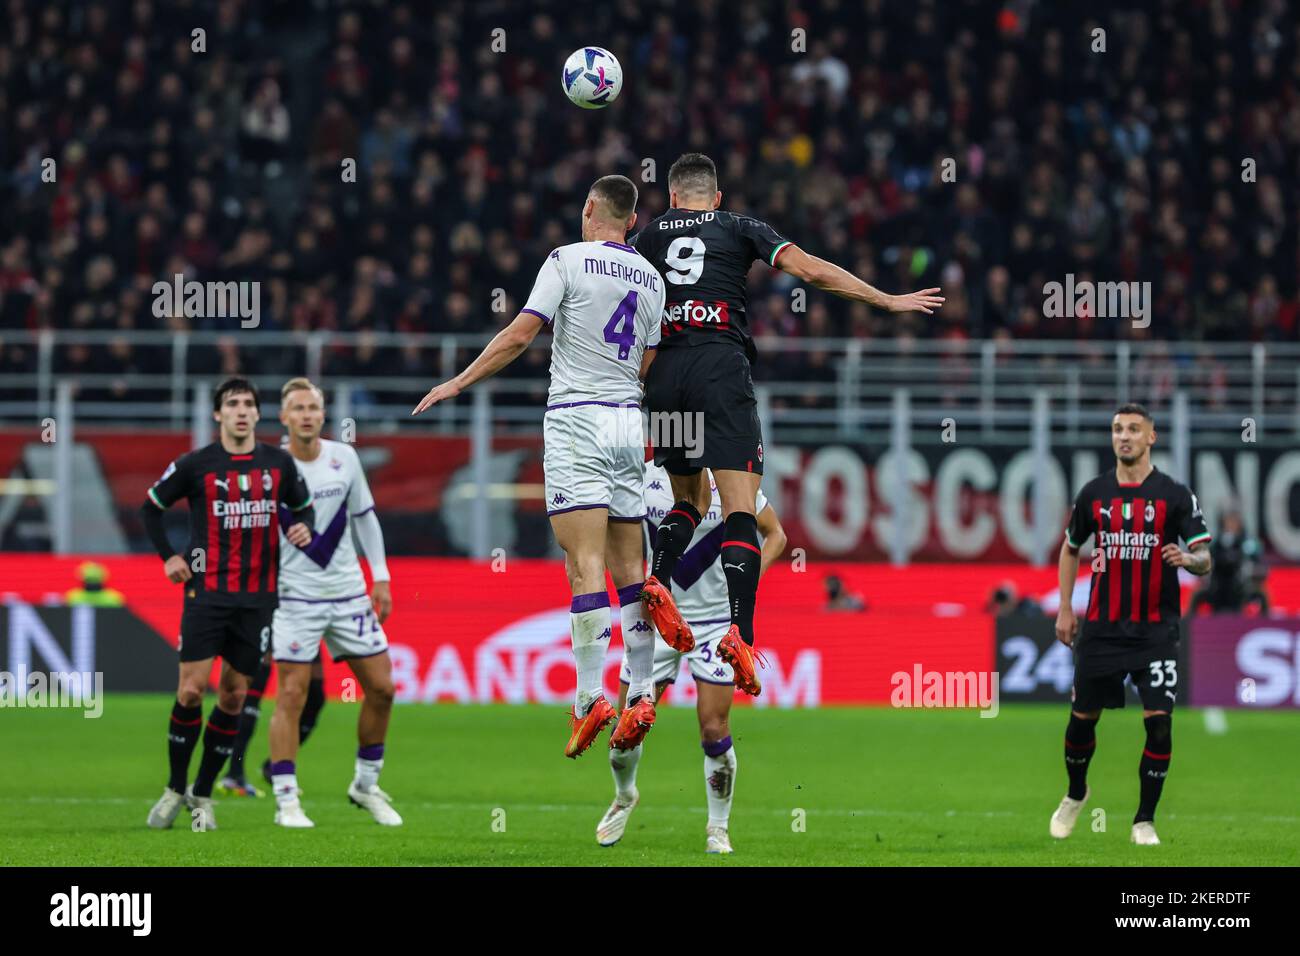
(370, 760)
(589, 627)
(248, 719)
(623, 763)
(1080, 745)
(719, 779)
(1154, 764)
(311, 709)
(284, 782)
(639, 639)
(740, 563)
(218, 742)
(182, 736)
(674, 537)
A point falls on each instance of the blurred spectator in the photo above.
(838, 598)
(1237, 573)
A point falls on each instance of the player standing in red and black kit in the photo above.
(234, 487)
(1131, 626)
(703, 367)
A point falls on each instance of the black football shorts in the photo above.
(238, 635)
(703, 413)
(1100, 668)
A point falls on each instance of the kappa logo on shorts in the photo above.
(606, 633)
(656, 486)
(559, 500)
(719, 672)
(640, 626)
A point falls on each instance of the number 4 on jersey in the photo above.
(620, 330)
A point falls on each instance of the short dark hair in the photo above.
(618, 193)
(234, 385)
(1133, 408)
(694, 174)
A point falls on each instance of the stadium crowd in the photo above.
(1172, 157)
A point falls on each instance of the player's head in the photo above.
(693, 183)
(1132, 433)
(302, 409)
(610, 205)
(236, 407)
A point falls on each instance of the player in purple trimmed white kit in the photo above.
(323, 597)
(603, 302)
(702, 586)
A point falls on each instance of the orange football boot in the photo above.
(668, 621)
(633, 724)
(741, 657)
(586, 729)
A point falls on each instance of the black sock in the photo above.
(674, 537)
(740, 563)
(1154, 764)
(182, 735)
(248, 719)
(218, 742)
(1080, 744)
(311, 709)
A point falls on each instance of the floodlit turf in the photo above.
(875, 786)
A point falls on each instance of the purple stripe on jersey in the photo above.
(717, 748)
(562, 511)
(544, 318)
(281, 767)
(699, 558)
(619, 245)
(372, 752)
(713, 620)
(605, 404)
(620, 518)
(589, 602)
(630, 594)
(366, 512)
(286, 597)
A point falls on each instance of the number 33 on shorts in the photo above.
(1164, 673)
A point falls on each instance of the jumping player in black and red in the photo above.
(1130, 629)
(702, 370)
(228, 573)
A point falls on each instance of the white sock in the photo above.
(590, 630)
(369, 765)
(623, 763)
(720, 781)
(285, 788)
(639, 641)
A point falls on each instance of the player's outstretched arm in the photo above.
(506, 346)
(829, 277)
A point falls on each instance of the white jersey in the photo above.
(699, 583)
(338, 491)
(603, 301)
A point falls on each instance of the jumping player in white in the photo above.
(603, 302)
(323, 594)
(701, 588)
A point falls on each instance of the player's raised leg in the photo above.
(218, 742)
(713, 707)
(625, 558)
(581, 533)
(742, 564)
(291, 695)
(1080, 745)
(692, 495)
(1152, 769)
(375, 675)
(183, 730)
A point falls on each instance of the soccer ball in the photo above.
(592, 78)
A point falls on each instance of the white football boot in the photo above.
(1067, 814)
(611, 826)
(377, 802)
(718, 840)
(202, 815)
(291, 815)
(1144, 834)
(165, 811)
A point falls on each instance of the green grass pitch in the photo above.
(876, 786)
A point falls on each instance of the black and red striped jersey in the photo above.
(233, 518)
(704, 257)
(1134, 592)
